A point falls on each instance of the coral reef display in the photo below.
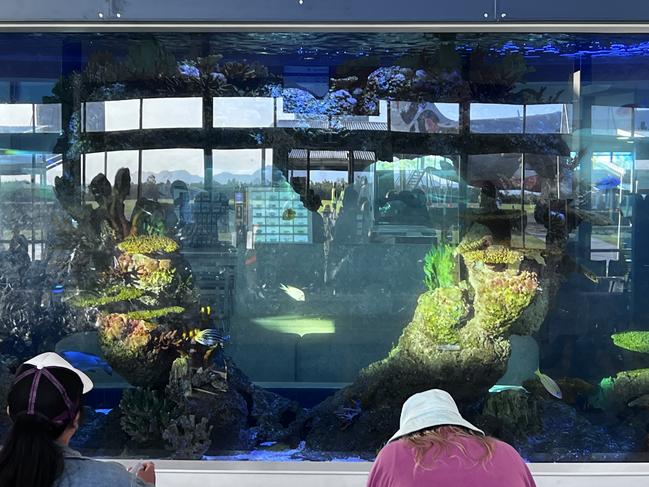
(484, 286)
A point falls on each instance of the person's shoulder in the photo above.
(505, 449)
(112, 473)
(396, 447)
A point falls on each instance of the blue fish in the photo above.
(87, 362)
(607, 182)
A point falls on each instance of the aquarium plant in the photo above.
(439, 267)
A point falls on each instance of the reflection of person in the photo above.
(18, 242)
(180, 196)
(44, 404)
(435, 445)
(427, 122)
(345, 229)
(317, 221)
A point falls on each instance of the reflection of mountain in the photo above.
(172, 176)
(224, 177)
(221, 178)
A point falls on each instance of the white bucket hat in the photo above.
(429, 409)
(51, 359)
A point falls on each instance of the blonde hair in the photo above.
(443, 439)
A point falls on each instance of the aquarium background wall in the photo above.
(258, 245)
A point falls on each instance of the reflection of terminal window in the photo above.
(266, 215)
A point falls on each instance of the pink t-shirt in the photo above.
(395, 467)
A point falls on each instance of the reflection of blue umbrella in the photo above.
(607, 182)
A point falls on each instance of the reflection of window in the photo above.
(495, 118)
(242, 166)
(612, 121)
(16, 118)
(109, 163)
(48, 118)
(424, 117)
(112, 115)
(244, 112)
(641, 122)
(548, 118)
(19, 118)
(172, 113)
(26, 200)
(162, 167)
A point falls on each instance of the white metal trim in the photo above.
(442, 27)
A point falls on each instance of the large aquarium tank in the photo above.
(259, 244)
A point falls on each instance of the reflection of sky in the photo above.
(239, 161)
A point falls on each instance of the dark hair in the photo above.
(41, 409)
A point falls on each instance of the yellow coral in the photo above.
(148, 244)
(495, 254)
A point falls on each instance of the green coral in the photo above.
(616, 392)
(635, 341)
(155, 281)
(114, 294)
(493, 255)
(442, 310)
(439, 267)
(151, 314)
(148, 244)
(188, 438)
(501, 299)
(146, 414)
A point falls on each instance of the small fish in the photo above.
(640, 402)
(449, 348)
(550, 385)
(58, 289)
(209, 337)
(608, 182)
(288, 214)
(87, 362)
(293, 292)
(498, 388)
(588, 274)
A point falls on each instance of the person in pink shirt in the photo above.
(436, 446)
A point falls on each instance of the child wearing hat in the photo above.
(44, 405)
(435, 445)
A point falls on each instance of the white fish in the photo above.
(500, 388)
(550, 385)
(293, 292)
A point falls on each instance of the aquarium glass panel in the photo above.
(259, 244)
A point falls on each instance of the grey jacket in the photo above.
(80, 471)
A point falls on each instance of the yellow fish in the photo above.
(289, 214)
(209, 337)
